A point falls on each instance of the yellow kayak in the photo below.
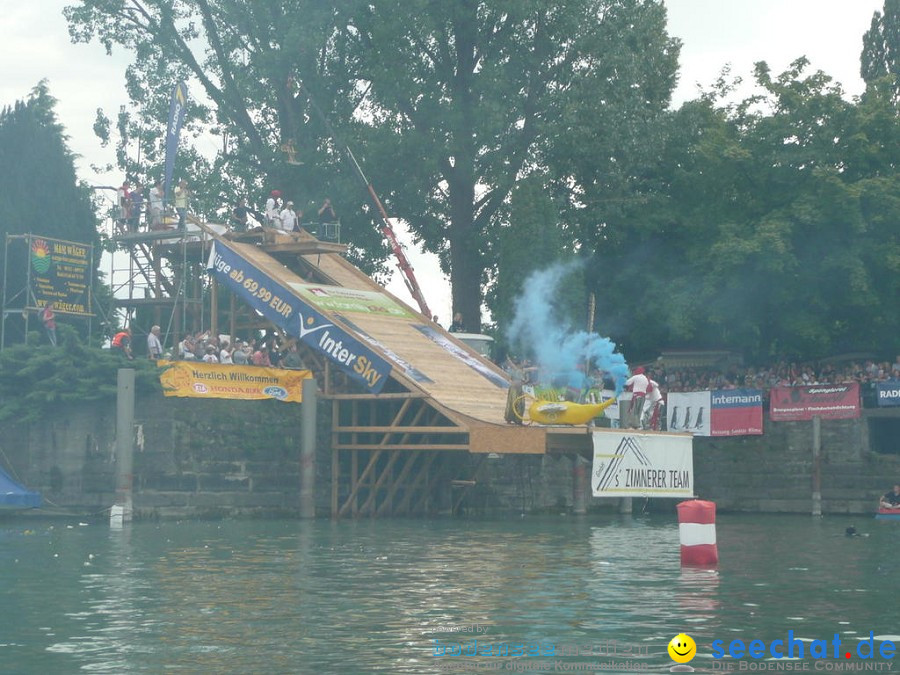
(566, 412)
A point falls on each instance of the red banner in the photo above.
(828, 401)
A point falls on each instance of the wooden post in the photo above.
(817, 467)
(308, 449)
(122, 510)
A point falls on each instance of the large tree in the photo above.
(775, 234)
(880, 59)
(459, 100)
(39, 190)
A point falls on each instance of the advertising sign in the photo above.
(338, 299)
(888, 393)
(60, 273)
(632, 464)
(828, 401)
(193, 379)
(724, 412)
(283, 308)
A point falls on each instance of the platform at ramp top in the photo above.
(426, 360)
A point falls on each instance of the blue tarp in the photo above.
(13, 495)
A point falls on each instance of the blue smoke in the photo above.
(558, 348)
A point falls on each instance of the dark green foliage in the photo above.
(773, 236)
(36, 380)
(880, 59)
(39, 190)
(458, 101)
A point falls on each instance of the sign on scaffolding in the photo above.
(59, 272)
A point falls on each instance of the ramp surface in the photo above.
(423, 356)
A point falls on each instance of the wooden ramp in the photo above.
(467, 391)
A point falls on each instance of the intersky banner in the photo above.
(632, 464)
(283, 308)
(177, 107)
(888, 393)
(828, 401)
(724, 412)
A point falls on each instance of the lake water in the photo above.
(374, 596)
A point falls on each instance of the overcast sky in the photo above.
(34, 44)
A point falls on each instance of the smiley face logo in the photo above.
(682, 648)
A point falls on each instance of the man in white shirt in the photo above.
(288, 217)
(637, 384)
(154, 345)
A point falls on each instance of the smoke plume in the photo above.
(556, 347)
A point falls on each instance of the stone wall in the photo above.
(192, 457)
(198, 458)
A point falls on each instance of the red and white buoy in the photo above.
(697, 531)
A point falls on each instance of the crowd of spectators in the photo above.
(269, 351)
(782, 374)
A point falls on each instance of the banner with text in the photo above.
(283, 308)
(828, 401)
(724, 412)
(888, 393)
(632, 464)
(60, 273)
(194, 379)
(339, 299)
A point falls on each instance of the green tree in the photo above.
(880, 59)
(452, 103)
(773, 237)
(39, 190)
(243, 62)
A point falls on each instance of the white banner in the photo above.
(689, 412)
(635, 464)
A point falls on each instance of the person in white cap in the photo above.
(288, 217)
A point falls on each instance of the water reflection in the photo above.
(354, 597)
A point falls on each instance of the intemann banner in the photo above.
(195, 379)
(828, 401)
(283, 308)
(60, 273)
(634, 464)
(723, 412)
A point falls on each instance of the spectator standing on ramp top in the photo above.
(182, 195)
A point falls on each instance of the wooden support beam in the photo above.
(440, 474)
(373, 458)
(389, 430)
(467, 485)
(376, 397)
(373, 492)
(422, 474)
(403, 446)
(354, 473)
(398, 482)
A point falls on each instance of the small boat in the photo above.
(14, 497)
(887, 514)
(566, 412)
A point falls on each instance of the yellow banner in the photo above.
(196, 379)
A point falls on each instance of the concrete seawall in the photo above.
(196, 458)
